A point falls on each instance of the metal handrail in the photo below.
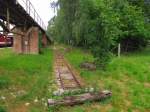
(29, 8)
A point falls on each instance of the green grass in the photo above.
(127, 77)
(2, 109)
(29, 73)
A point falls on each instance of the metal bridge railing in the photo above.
(29, 8)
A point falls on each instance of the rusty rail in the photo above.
(75, 79)
(60, 62)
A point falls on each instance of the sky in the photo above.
(44, 9)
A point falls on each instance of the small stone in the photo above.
(27, 104)
(106, 91)
(3, 98)
(43, 99)
(21, 92)
(45, 104)
(59, 92)
(10, 88)
(36, 100)
(91, 90)
(51, 101)
(55, 93)
(13, 95)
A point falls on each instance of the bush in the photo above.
(98, 25)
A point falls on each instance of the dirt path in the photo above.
(67, 78)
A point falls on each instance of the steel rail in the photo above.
(61, 80)
(72, 73)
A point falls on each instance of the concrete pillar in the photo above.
(28, 43)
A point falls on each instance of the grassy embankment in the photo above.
(29, 76)
(24, 79)
(127, 77)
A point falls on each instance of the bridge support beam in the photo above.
(28, 43)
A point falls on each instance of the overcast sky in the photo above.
(44, 9)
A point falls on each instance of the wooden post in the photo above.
(119, 50)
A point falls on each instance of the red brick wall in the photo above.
(27, 44)
(44, 41)
(17, 45)
(34, 41)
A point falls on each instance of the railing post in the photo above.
(119, 50)
(37, 17)
(29, 7)
(34, 14)
(40, 22)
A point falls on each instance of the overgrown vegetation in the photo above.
(126, 77)
(2, 109)
(4, 82)
(25, 79)
(99, 25)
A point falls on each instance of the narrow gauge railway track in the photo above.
(66, 78)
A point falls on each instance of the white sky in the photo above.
(44, 9)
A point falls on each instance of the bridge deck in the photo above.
(22, 13)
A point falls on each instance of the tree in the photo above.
(99, 25)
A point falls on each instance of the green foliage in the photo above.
(98, 25)
(144, 4)
(51, 30)
(2, 109)
(4, 82)
(29, 73)
(126, 77)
